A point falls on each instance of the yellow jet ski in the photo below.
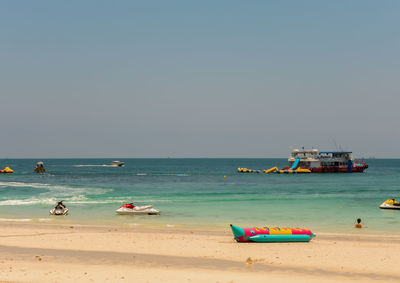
(40, 167)
(390, 204)
(7, 170)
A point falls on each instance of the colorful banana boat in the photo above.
(271, 234)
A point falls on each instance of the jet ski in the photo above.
(390, 204)
(40, 167)
(59, 209)
(129, 208)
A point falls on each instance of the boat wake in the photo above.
(46, 201)
(92, 165)
(68, 190)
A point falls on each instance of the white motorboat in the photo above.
(390, 204)
(117, 163)
(129, 208)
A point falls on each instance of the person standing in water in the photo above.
(358, 224)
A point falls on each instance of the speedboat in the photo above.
(390, 204)
(117, 163)
(129, 208)
(59, 211)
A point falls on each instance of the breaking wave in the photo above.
(66, 190)
(91, 165)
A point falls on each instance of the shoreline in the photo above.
(47, 252)
(358, 234)
(56, 220)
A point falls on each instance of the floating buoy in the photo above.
(245, 170)
(273, 169)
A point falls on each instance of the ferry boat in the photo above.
(325, 161)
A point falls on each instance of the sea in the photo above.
(203, 192)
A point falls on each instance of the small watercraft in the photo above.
(117, 163)
(390, 204)
(59, 209)
(129, 208)
(315, 161)
(40, 167)
(7, 170)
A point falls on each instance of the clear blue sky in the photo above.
(198, 78)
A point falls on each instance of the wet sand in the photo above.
(42, 252)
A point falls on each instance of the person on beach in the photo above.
(60, 205)
(358, 224)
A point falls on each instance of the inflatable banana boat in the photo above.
(271, 234)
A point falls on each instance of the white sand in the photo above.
(41, 252)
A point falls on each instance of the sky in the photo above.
(198, 78)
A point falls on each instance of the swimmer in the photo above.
(358, 224)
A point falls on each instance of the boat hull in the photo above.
(137, 210)
(280, 238)
(55, 211)
(390, 205)
(334, 169)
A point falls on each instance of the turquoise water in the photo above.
(195, 191)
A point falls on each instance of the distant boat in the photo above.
(325, 161)
(117, 163)
(40, 167)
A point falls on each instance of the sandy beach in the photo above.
(41, 252)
